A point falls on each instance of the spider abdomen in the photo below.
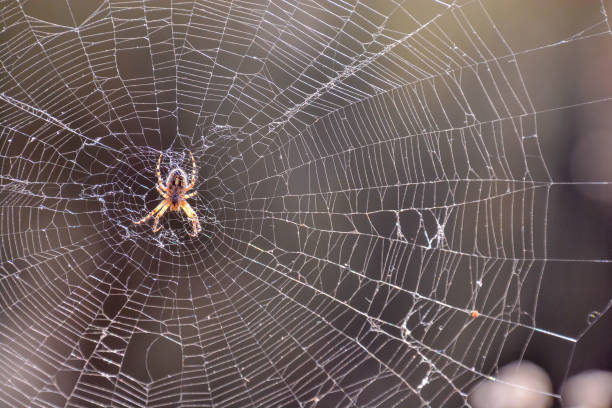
(176, 184)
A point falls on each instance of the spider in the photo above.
(174, 196)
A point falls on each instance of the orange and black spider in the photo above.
(174, 196)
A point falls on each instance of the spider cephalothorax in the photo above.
(174, 196)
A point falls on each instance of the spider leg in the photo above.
(193, 174)
(158, 216)
(160, 184)
(190, 195)
(161, 192)
(193, 216)
(152, 213)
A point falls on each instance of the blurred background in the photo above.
(400, 201)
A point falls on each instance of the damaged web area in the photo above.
(370, 184)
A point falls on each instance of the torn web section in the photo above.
(363, 249)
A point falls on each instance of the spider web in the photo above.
(372, 188)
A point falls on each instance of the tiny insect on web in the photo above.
(174, 196)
